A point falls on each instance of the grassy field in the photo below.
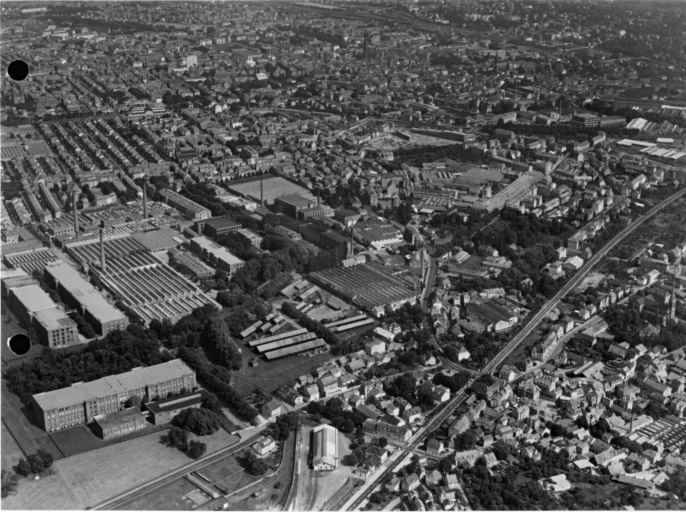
(11, 452)
(87, 479)
(270, 375)
(169, 497)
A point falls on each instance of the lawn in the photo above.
(170, 497)
(270, 375)
(11, 452)
(89, 478)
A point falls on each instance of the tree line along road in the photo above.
(456, 401)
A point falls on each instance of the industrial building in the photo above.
(371, 286)
(217, 226)
(216, 254)
(35, 307)
(81, 402)
(300, 207)
(324, 448)
(191, 209)
(80, 294)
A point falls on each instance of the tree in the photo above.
(200, 421)
(383, 442)
(23, 467)
(134, 401)
(196, 449)
(9, 483)
(211, 403)
(176, 437)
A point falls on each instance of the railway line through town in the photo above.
(356, 500)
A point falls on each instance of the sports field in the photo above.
(89, 478)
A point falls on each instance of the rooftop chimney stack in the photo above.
(75, 198)
(145, 197)
(103, 265)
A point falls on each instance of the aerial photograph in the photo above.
(343, 255)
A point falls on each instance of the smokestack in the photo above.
(319, 199)
(261, 193)
(75, 198)
(103, 265)
(145, 197)
(352, 241)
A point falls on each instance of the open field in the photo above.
(11, 452)
(226, 475)
(87, 479)
(270, 375)
(169, 497)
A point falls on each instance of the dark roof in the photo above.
(177, 402)
(221, 222)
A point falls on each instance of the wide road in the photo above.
(369, 486)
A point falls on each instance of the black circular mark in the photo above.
(18, 70)
(20, 344)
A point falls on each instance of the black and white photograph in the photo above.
(343, 255)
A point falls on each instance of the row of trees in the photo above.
(118, 352)
(218, 379)
(218, 343)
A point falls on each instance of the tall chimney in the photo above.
(145, 197)
(352, 241)
(75, 198)
(261, 193)
(319, 198)
(103, 265)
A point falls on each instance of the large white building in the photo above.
(325, 448)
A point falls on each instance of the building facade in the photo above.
(80, 403)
